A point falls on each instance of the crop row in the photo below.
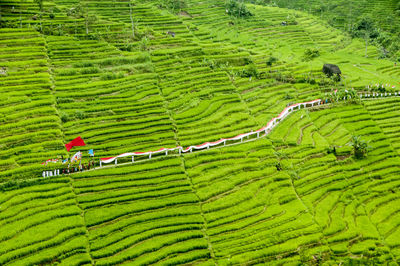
(333, 189)
(385, 113)
(26, 88)
(41, 223)
(130, 99)
(144, 212)
(248, 204)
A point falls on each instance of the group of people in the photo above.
(91, 164)
(79, 168)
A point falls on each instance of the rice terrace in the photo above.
(199, 132)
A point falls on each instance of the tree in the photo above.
(89, 20)
(360, 147)
(365, 28)
(80, 11)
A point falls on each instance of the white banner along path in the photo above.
(271, 124)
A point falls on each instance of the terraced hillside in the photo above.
(42, 224)
(143, 215)
(336, 188)
(384, 112)
(383, 11)
(30, 128)
(204, 208)
(346, 15)
(137, 76)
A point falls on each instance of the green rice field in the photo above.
(141, 75)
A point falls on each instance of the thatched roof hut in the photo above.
(330, 70)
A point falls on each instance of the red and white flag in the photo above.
(75, 142)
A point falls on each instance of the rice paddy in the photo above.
(140, 77)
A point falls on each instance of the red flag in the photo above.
(75, 142)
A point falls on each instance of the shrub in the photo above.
(335, 78)
(250, 71)
(381, 89)
(271, 60)
(64, 117)
(290, 20)
(144, 43)
(128, 46)
(173, 5)
(247, 60)
(236, 9)
(310, 54)
(360, 147)
(350, 96)
(59, 31)
(288, 96)
(80, 114)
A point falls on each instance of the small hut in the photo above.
(330, 70)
